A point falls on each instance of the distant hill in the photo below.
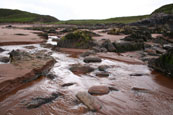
(8, 15)
(167, 9)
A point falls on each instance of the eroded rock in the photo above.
(39, 101)
(79, 69)
(164, 63)
(90, 101)
(98, 90)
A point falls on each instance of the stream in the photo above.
(151, 93)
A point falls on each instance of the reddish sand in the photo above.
(107, 36)
(15, 75)
(15, 36)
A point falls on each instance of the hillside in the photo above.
(124, 20)
(8, 15)
(167, 9)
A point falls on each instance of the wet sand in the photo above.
(150, 93)
(17, 36)
(104, 35)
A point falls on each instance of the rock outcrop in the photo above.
(164, 63)
(24, 67)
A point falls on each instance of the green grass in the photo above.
(168, 9)
(124, 20)
(8, 15)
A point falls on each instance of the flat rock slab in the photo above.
(90, 101)
(22, 71)
(98, 90)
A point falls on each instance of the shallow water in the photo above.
(151, 93)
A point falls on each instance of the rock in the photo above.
(77, 39)
(87, 53)
(140, 90)
(92, 59)
(4, 59)
(98, 90)
(17, 55)
(125, 46)
(113, 89)
(78, 69)
(139, 35)
(39, 101)
(106, 43)
(137, 74)
(52, 30)
(167, 46)
(67, 84)
(30, 47)
(164, 63)
(99, 49)
(90, 101)
(102, 74)
(151, 52)
(51, 76)
(1, 50)
(55, 48)
(9, 26)
(103, 67)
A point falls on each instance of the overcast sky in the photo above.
(85, 9)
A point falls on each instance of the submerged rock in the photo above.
(79, 69)
(102, 74)
(4, 59)
(39, 101)
(103, 67)
(87, 53)
(1, 50)
(164, 63)
(90, 101)
(68, 84)
(92, 59)
(98, 90)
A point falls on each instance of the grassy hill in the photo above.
(167, 9)
(8, 15)
(125, 20)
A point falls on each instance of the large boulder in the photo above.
(140, 35)
(92, 59)
(76, 39)
(125, 46)
(106, 43)
(164, 63)
(98, 90)
(90, 101)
